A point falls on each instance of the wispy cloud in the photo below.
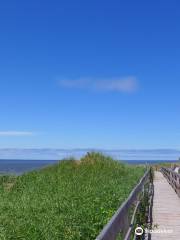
(16, 133)
(127, 84)
(50, 153)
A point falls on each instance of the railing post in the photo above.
(173, 178)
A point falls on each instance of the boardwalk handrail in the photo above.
(119, 223)
(173, 178)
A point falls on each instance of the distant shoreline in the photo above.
(20, 166)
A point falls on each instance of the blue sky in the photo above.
(90, 74)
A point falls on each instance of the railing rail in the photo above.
(173, 178)
(120, 223)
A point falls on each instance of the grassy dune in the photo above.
(71, 200)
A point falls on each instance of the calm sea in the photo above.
(21, 166)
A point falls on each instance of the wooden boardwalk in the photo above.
(166, 210)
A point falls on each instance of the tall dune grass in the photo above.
(71, 200)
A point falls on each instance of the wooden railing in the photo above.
(173, 178)
(120, 222)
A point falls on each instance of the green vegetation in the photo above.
(71, 200)
(166, 165)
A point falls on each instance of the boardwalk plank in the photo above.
(166, 209)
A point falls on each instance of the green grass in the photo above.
(70, 200)
(166, 165)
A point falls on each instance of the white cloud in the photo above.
(16, 133)
(127, 84)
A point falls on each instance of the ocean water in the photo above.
(22, 166)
